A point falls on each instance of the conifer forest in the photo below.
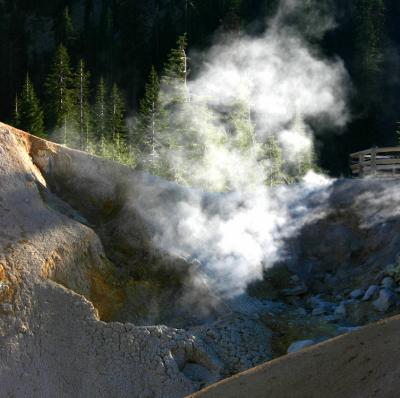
(109, 77)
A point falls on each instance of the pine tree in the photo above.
(305, 160)
(273, 164)
(28, 113)
(176, 72)
(17, 115)
(241, 126)
(116, 125)
(151, 122)
(116, 117)
(100, 114)
(81, 92)
(61, 107)
(178, 134)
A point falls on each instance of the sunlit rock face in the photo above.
(53, 343)
(95, 256)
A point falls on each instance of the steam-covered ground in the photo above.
(247, 273)
(96, 256)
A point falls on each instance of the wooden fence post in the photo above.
(373, 160)
(360, 162)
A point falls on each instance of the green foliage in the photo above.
(273, 163)
(81, 94)
(98, 129)
(100, 112)
(28, 113)
(175, 73)
(151, 122)
(176, 66)
(176, 136)
(187, 140)
(306, 160)
(116, 112)
(242, 127)
(61, 105)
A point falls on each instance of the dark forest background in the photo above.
(120, 40)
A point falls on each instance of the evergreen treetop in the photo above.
(100, 111)
(59, 89)
(116, 111)
(81, 94)
(28, 113)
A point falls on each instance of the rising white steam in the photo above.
(275, 85)
(235, 235)
(288, 86)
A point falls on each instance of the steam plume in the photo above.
(287, 84)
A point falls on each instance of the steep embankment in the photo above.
(81, 278)
(52, 342)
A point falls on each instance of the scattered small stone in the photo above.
(295, 291)
(7, 308)
(372, 291)
(385, 300)
(388, 282)
(341, 310)
(299, 345)
(332, 318)
(347, 329)
(357, 293)
(323, 307)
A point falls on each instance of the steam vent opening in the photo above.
(199, 199)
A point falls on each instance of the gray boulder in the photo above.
(296, 291)
(357, 293)
(388, 282)
(372, 291)
(385, 300)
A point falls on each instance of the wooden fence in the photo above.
(379, 162)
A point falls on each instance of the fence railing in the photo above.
(380, 162)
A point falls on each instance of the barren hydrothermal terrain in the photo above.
(95, 304)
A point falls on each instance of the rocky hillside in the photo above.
(356, 365)
(84, 289)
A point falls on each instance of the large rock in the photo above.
(52, 341)
(386, 300)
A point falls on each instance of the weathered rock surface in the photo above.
(238, 341)
(81, 281)
(361, 364)
(52, 342)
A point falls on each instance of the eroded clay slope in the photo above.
(52, 342)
